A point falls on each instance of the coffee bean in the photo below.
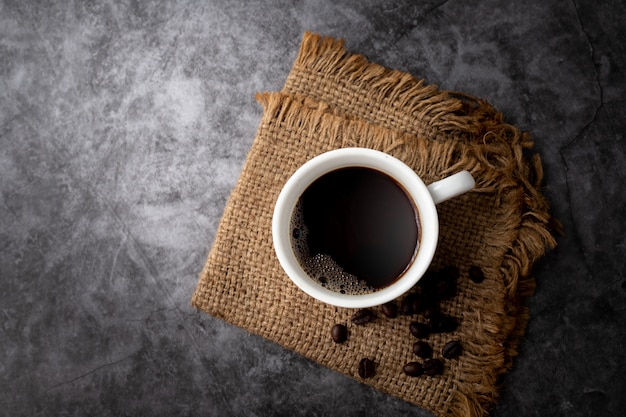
(413, 369)
(417, 306)
(420, 302)
(476, 274)
(362, 316)
(366, 368)
(452, 349)
(433, 367)
(339, 333)
(390, 309)
(419, 330)
(430, 311)
(422, 349)
(440, 323)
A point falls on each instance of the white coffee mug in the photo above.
(424, 199)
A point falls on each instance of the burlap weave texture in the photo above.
(334, 99)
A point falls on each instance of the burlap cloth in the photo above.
(333, 99)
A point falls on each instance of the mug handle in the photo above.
(451, 186)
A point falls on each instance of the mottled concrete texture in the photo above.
(124, 126)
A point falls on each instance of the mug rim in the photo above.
(355, 157)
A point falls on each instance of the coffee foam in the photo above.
(321, 267)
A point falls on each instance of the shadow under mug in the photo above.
(423, 197)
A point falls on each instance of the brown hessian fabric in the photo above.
(332, 99)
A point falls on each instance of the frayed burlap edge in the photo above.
(442, 115)
(498, 146)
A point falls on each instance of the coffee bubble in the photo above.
(321, 267)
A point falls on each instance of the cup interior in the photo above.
(354, 157)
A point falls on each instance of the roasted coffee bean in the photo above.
(413, 369)
(390, 309)
(362, 316)
(440, 323)
(433, 367)
(419, 330)
(430, 311)
(339, 333)
(422, 349)
(452, 349)
(416, 303)
(476, 274)
(366, 368)
(420, 302)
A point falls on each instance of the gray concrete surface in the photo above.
(124, 126)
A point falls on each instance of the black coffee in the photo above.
(355, 230)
